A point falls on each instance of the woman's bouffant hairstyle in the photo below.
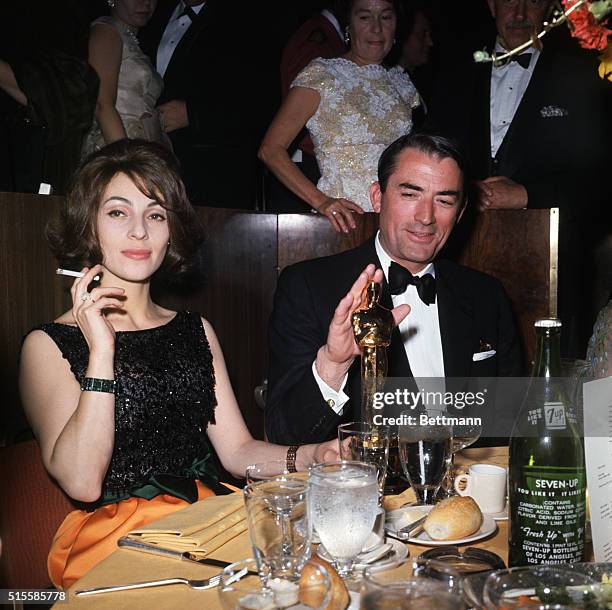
(155, 171)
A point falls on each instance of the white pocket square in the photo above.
(553, 111)
(483, 355)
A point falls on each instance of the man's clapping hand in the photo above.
(335, 357)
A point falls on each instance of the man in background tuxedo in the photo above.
(536, 132)
(210, 107)
(460, 323)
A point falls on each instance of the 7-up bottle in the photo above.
(547, 479)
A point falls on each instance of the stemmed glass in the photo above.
(425, 444)
(269, 471)
(343, 506)
(464, 435)
(279, 524)
(364, 442)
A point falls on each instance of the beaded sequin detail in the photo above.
(362, 110)
(164, 399)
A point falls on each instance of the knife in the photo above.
(137, 545)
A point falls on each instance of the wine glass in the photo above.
(425, 443)
(464, 435)
(264, 471)
(364, 442)
(279, 525)
(343, 506)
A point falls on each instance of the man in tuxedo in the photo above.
(535, 128)
(208, 106)
(460, 323)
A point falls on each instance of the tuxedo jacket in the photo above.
(557, 147)
(557, 143)
(472, 308)
(211, 69)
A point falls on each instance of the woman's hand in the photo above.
(340, 213)
(88, 310)
(327, 452)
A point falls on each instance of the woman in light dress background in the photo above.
(129, 84)
(353, 107)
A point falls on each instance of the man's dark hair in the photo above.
(73, 237)
(436, 146)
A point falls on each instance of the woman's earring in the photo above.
(347, 35)
(111, 3)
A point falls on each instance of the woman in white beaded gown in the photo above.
(353, 107)
(129, 84)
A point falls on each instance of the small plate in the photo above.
(487, 528)
(400, 551)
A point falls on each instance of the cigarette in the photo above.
(71, 273)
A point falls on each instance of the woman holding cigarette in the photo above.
(124, 396)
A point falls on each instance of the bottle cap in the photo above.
(548, 323)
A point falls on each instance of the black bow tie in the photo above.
(190, 13)
(523, 60)
(400, 277)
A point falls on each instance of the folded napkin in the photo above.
(200, 528)
(396, 501)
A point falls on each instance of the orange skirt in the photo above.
(86, 538)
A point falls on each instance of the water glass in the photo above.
(364, 442)
(344, 506)
(425, 451)
(278, 518)
(392, 590)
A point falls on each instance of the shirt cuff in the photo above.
(335, 400)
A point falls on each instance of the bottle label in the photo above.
(554, 416)
(547, 515)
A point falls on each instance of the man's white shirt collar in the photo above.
(385, 261)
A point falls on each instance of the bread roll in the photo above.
(312, 592)
(455, 517)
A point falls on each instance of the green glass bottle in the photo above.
(547, 479)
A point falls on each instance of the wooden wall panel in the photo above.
(304, 236)
(30, 292)
(238, 263)
(514, 247)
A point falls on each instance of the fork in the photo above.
(207, 583)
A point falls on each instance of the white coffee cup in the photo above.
(486, 483)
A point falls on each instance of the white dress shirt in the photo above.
(175, 30)
(508, 84)
(420, 333)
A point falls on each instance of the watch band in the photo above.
(94, 384)
(291, 453)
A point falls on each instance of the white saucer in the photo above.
(487, 528)
(500, 516)
(400, 551)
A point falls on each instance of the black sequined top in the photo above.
(164, 400)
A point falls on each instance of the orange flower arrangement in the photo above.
(585, 19)
(584, 26)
